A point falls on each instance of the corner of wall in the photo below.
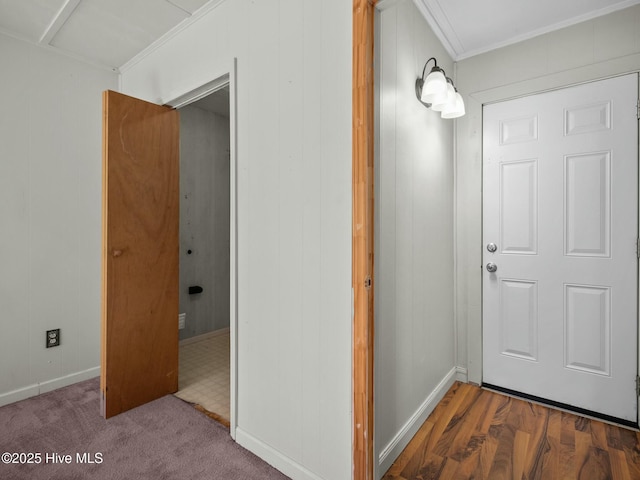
(398, 443)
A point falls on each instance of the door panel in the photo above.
(587, 203)
(140, 252)
(587, 327)
(560, 201)
(519, 318)
(518, 207)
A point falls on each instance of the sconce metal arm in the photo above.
(424, 69)
(420, 81)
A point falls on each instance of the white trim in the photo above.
(186, 23)
(233, 241)
(462, 375)
(56, 383)
(483, 95)
(273, 457)
(228, 76)
(549, 28)
(19, 394)
(456, 319)
(382, 5)
(179, 7)
(119, 82)
(434, 23)
(58, 21)
(398, 443)
(59, 51)
(638, 246)
(204, 336)
(48, 386)
(181, 99)
(377, 63)
(435, 17)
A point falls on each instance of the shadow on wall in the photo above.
(204, 215)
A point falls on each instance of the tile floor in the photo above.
(204, 373)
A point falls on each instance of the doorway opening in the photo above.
(205, 259)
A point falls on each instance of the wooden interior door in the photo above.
(139, 357)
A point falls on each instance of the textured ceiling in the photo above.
(104, 32)
(109, 33)
(470, 27)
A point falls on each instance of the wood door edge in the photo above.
(362, 238)
(103, 286)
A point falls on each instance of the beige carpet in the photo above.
(164, 439)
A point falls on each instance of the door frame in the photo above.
(476, 104)
(227, 76)
(362, 238)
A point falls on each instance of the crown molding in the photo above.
(439, 23)
(549, 28)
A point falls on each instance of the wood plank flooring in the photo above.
(477, 434)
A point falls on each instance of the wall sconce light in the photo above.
(438, 92)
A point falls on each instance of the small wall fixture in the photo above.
(438, 92)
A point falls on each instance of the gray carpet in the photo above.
(165, 439)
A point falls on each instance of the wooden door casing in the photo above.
(362, 239)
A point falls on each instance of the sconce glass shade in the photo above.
(434, 86)
(438, 92)
(455, 109)
(449, 98)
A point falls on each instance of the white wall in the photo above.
(294, 215)
(599, 48)
(414, 357)
(50, 218)
(204, 220)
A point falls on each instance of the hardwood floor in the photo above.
(477, 434)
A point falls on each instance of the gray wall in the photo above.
(294, 149)
(204, 220)
(414, 246)
(50, 218)
(599, 48)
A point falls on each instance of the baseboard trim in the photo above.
(462, 375)
(204, 336)
(19, 394)
(273, 457)
(394, 448)
(48, 386)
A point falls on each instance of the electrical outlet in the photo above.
(182, 317)
(53, 338)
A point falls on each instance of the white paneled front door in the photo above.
(560, 213)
